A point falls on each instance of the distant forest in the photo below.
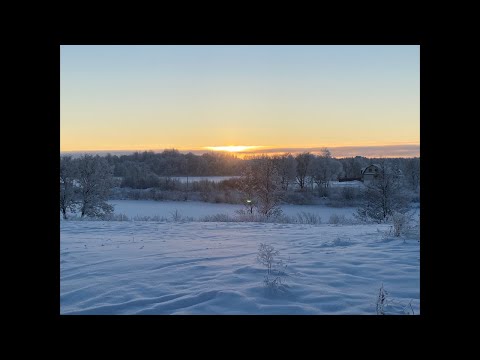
(142, 170)
(173, 163)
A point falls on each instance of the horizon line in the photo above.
(391, 150)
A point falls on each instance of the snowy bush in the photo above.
(412, 229)
(342, 241)
(400, 223)
(381, 301)
(386, 302)
(403, 225)
(274, 280)
(244, 215)
(175, 215)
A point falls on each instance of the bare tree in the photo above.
(95, 180)
(68, 173)
(303, 167)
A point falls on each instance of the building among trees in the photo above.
(370, 172)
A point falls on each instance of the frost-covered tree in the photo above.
(321, 173)
(68, 173)
(95, 178)
(260, 185)
(326, 153)
(247, 187)
(323, 170)
(411, 170)
(352, 167)
(303, 168)
(267, 186)
(383, 196)
(286, 168)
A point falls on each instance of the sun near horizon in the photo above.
(232, 148)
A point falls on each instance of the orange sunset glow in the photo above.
(232, 148)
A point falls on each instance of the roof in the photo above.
(364, 168)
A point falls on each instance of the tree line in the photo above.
(143, 170)
(264, 181)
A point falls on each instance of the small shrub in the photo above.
(115, 217)
(339, 241)
(308, 218)
(274, 280)
(381, 301)
(400, 224)
(395, 307)
(149, 218)
(120, 217)
(158, 218)
(404, 226)
(141, 218)
(217, 218)
(175, 216)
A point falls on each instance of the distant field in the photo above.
(198, 209)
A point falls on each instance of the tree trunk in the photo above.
(64, 212)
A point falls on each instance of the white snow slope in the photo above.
(211, 268)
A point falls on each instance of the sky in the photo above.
(354, 100)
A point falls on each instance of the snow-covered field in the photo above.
(356, 183)
(210, 268)
(197, 209)
(183, 179)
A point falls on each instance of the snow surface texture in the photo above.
(211, 268)
(194, 209)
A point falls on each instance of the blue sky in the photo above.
(193, 97)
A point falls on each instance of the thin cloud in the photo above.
(405, 150)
